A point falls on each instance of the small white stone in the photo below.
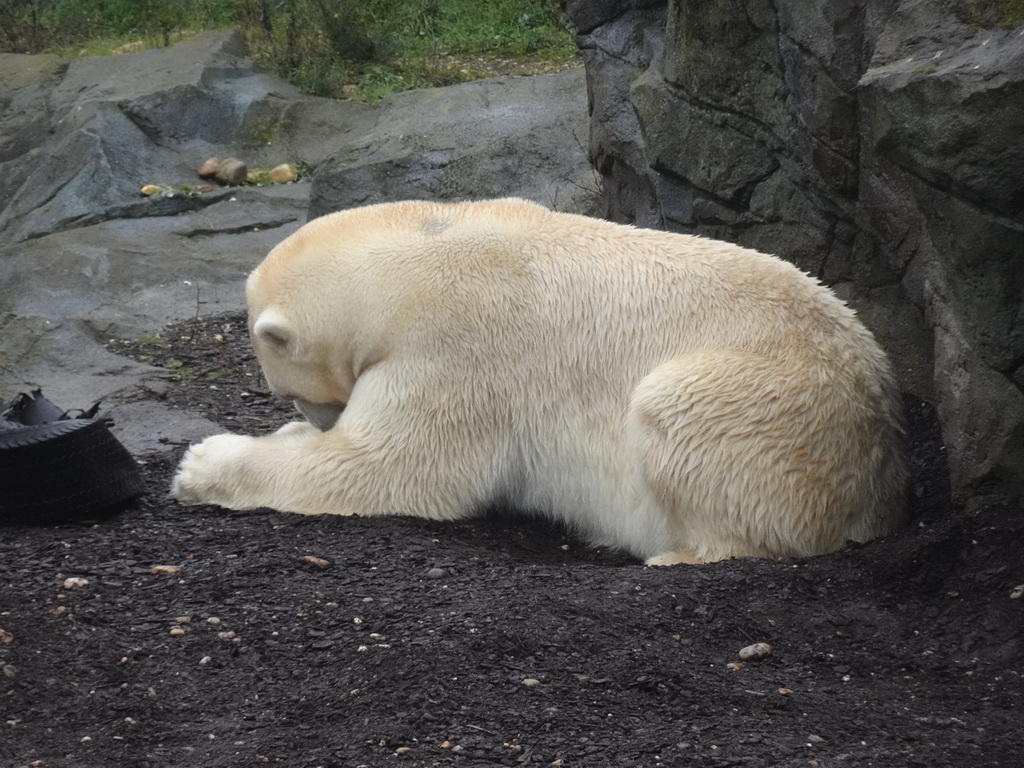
(755, 652)
(75, 581)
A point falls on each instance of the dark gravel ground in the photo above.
(341, 642)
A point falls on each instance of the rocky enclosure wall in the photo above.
(878, 144)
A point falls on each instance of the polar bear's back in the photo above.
(684, 292)
(509, 268)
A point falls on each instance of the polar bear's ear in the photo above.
(274, 329)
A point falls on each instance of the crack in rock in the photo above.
(257, 226)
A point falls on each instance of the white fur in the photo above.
(684, 399)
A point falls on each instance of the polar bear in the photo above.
(683, 399)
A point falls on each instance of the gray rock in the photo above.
(875, 143)
(115, 125)
(510, 136)
(615, 52)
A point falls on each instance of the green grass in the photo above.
(989, 14)
(358, 48)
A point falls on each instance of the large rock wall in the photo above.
(875, 143)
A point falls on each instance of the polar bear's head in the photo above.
(293, 371)
(340, 295)
(305, 353)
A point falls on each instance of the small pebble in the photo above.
(284, 173)
(403, 750)
(1018, 592)
(10, 670)
(209, 169)
(75, 581)
(531, 681)
(436, 573)
(6, 637)
(319, 562)
(169, 569)
(755, 652)
(177, 631)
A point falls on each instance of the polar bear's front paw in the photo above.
(210, 472)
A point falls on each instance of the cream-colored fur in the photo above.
(684, 399)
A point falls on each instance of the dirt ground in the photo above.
(201, 637)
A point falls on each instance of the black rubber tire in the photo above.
(72, 469)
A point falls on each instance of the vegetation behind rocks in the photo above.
(361, 48)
